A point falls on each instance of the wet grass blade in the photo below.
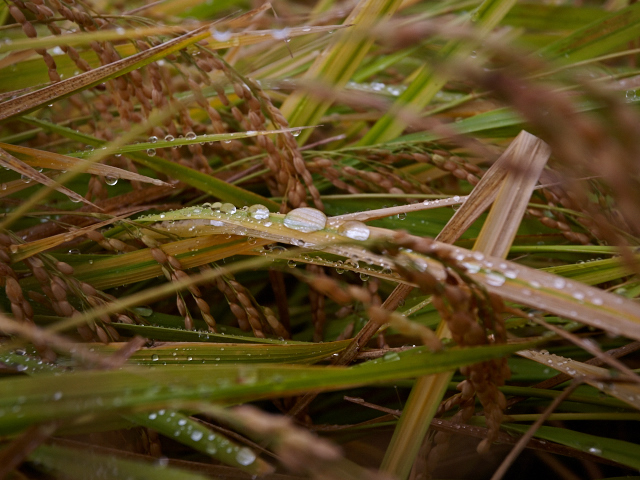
(337, 64)
(76, 464)
(427, 82)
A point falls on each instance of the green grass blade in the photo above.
(69, 395)
(187, 431)
(597, 38)
(76, 464)
(625, 453)
(428, 82)
(337, 64)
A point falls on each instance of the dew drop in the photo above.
(169, 138)
(280, 34)
(291, 264)
(220, 36)
(155, 358)
(259, 212)
(110, 180)
(354, 230)
(196, 435)
(190, 136)
(153, 139)
(245, 456)
(151, 152)
(495, 279)
(595, 450)
(228, 208)
(305, 220)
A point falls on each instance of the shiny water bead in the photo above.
(216, 206)
(190, 136)
(305, 220)
(354, 230)
(229, 208)
(259, 212)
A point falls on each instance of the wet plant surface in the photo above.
(362, 240)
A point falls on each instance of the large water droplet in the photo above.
(110, 180)
(190, 136)
(305, 220)
(354, 230)
(228, 208)
(259, 212)
(245, 456)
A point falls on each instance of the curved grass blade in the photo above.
(427, 81)
(70, 395)
(76, 464)
(338, 62)
(56, 161)
(187, 431)
(597, 38)
(27, 171)
(597, 377)
(32, 101)
(625, 453)
(258, 351)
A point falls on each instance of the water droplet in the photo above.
(155, 358)
(220, 36)
(153, 416)
(196, 435)
(354, 230)
(291, 264)
(280, 34)
(595, 450)
(402, 216)
(153, 139)
(495, 279)
(190, 136)
(296, 133)
(228, 208)
(151, 152)
(245, 456)
(169, 138)
(109, 180)
(305, 220)
(57, 396)
(364, 277)
(338, 266)
(259, 212)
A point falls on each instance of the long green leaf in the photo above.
(83, 464)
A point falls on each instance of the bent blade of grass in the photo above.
(337, 63)
(207, 183)
(32, 101)
(597, 377)
(427, 81)
(56, 161)
(274, 352)
(597, 38)
(8, 161)
(517, 172)
(26, 250)
(76, 464)
(620, 451)
(186, 430)
(136, 388)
